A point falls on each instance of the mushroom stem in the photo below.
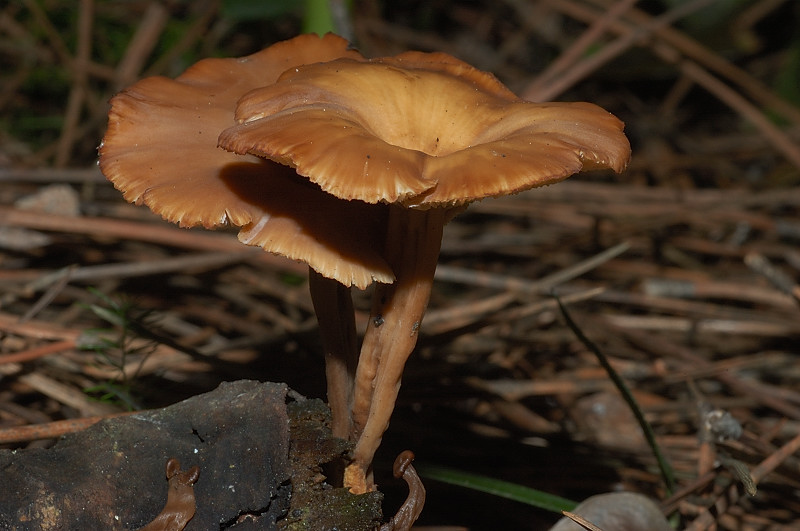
(336, 317)
(413, 240)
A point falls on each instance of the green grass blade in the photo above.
(318, 17)
(496, 487)
(663, 464)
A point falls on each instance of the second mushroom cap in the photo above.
(421, 129)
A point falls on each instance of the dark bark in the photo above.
(111, 476)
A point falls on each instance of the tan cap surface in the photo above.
(423, 129)
(161, 150)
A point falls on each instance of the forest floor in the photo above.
(683, 270)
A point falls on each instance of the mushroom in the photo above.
(409, 512)
(352, 166)
(180, 506)
(424, 134)
(161, 150)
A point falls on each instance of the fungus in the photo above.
(425, 134)
(409, 512)
(160, 150)
(180, 506)
(353, 166)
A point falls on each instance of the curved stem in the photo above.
(411, 509)
(413, 240)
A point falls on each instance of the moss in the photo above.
(313, 454)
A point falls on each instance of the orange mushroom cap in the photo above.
(422, 129)
(161, 150)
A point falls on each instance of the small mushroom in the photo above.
(411, 509)
(180, 506)
(425, 134)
